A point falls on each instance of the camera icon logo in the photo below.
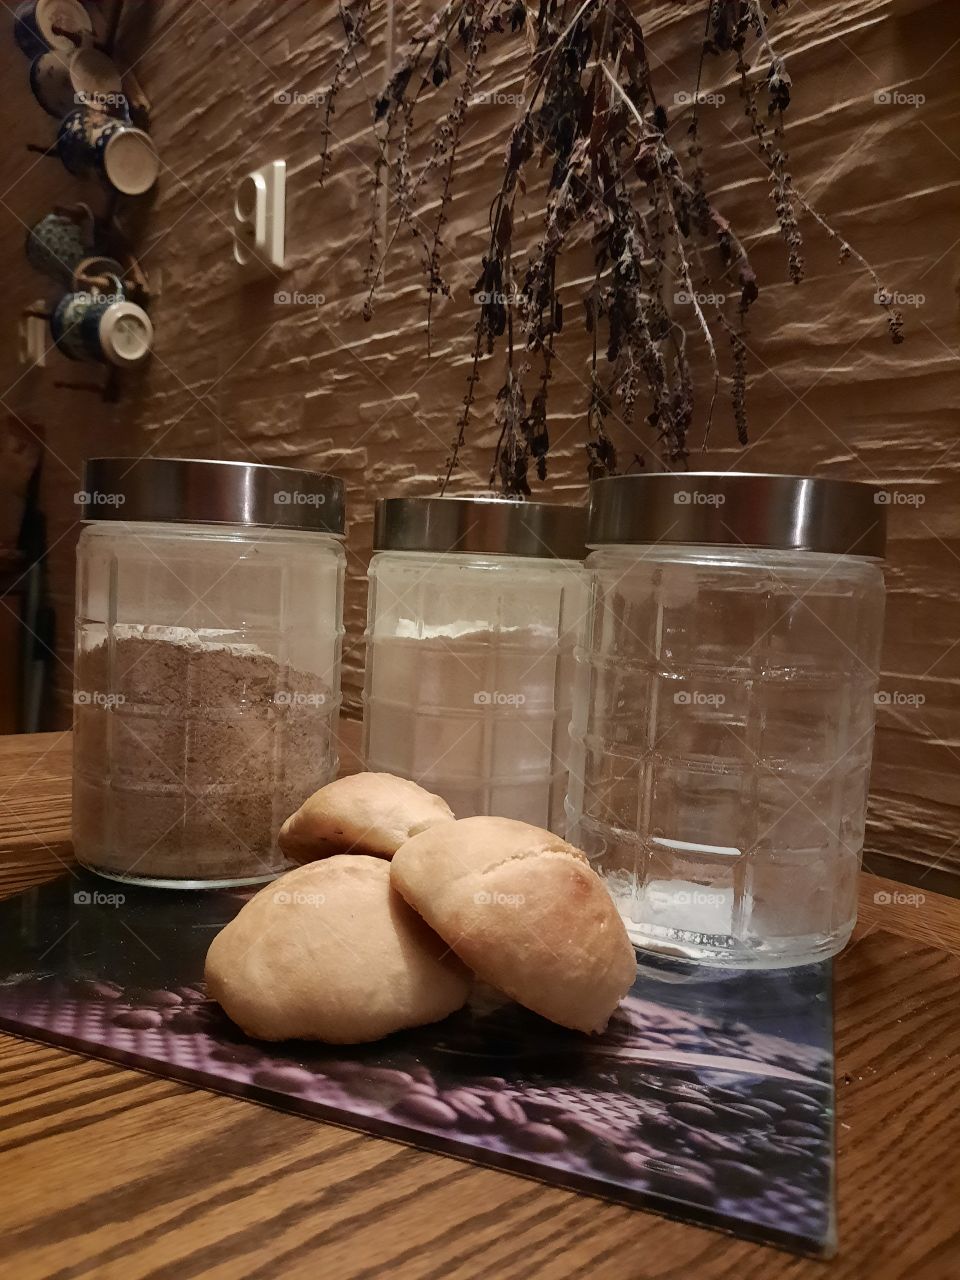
(682, 699)
(682, 498)
(482, 698)
(282, 499)
(882, 898)
(282, 898)
(483, 898)
(82, 898)
(283, 98)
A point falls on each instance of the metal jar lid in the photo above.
(199, 491)
(730, 508)
(498, 526)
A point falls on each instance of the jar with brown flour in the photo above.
(207, 667)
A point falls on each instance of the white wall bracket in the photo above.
(259, 210)
(33, 336)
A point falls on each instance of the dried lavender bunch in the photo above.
(591, 122)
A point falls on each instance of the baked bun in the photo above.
(330, 952)
(363, 813)
(526, 912)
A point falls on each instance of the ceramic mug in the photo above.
(124, 157)
(39, 25)
(50, 82)
(84, 77)
(59, 242)
(103, 328)
(89, 274)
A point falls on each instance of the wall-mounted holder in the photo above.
(259, 210)
(32, 334)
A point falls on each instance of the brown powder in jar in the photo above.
(189, 753)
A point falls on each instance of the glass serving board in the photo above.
(709, 1098)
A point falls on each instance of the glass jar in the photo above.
(472, 616)
(207, 666)
(724, 710)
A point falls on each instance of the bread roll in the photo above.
(330, 952)
(363, 813)
(525, 911)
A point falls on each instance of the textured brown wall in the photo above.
(237, 376)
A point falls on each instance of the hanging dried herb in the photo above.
(670, 274)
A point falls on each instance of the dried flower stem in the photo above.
(354, 29)
(592, 125)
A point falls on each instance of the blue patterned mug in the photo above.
(124, 157)
(84, 77)
(103, 328)
(59, 242)
(39, 25)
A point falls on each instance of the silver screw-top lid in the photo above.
(730, 508)
(200, 491)
(498, 526)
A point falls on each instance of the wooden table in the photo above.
(110, 1173)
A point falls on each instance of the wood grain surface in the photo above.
(874, 143)
(113, 1174)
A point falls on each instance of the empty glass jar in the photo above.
(473, 610)
(724, 711)
(207, 669)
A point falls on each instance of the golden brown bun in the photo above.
(526, 912)
(330, 952)
(364, 813)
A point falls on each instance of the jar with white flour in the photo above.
(473, 610)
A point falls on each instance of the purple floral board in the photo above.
(709, 1098)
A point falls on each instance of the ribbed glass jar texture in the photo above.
(469, 678)
(206, 696)
(723, 728)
